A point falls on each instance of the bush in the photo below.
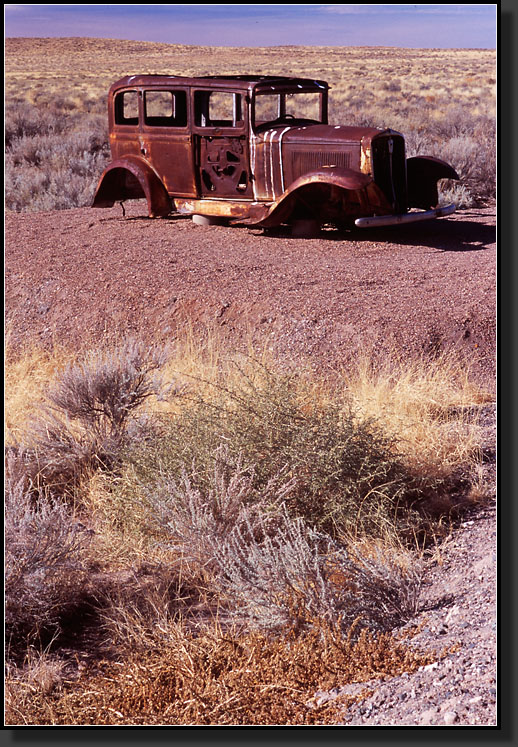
(53, 159)
(288, 579)
(200, 519)
(474, 158)
(86, 422)
(26, 121)
(44, 569)
(346, 472)
(459, 194)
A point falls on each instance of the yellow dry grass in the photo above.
(27, 375)
(430, 407)
(427, 406)
(82, 70)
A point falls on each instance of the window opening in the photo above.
(218, 109)
(276, 108)
(126, 108)
(165, 108)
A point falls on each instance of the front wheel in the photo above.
(305, 228)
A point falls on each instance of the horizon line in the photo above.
(259, 46)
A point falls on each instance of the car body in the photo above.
(258, 150)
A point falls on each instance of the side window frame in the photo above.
(118, 109)
(177, 104)
(201, 111)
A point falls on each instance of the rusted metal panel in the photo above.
(423, 173)
(256, 149)
(224, 169)
(132, 178)
(330, 135)
(329, 194)
(232, 209)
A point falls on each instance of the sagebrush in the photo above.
(226, 537)
(45, 569)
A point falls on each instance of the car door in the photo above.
(125, 123)
(221, 144)
(166, 140)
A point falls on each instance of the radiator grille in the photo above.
(302, 163)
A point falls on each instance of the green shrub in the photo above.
(346, 473)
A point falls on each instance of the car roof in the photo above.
(261, 83)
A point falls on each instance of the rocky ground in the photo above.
(457, 615)
(85, 276)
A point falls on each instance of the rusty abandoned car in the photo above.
(258, 150)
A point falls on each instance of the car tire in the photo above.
(307, 228)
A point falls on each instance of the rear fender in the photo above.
(132, 178)
(423, 173)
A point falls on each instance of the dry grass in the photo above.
(27, 375)
(430, 404)
(427, 407)
(221, 678)
(56, 130)
(80, 71)
(219, 606)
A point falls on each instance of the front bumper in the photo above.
(394, 220)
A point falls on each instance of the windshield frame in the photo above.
(282, 92)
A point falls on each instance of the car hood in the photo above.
(324, 134)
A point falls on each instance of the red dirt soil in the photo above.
(80, 276)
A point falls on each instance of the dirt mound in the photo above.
(85, 275)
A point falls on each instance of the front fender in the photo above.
(315, 188)
(132, 178)
(336, 175)
(423, 173)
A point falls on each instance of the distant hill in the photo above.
(82, 67)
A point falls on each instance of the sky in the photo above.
(428, 26)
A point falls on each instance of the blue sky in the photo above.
(439, 26)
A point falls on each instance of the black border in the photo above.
(507, 348)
